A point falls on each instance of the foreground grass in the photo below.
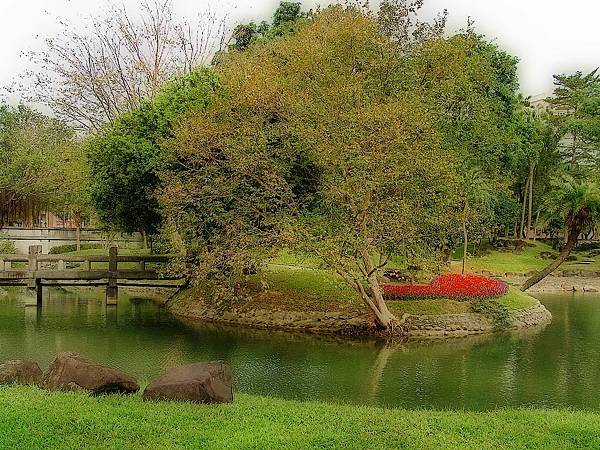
(32, 418)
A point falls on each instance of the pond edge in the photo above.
(440, 326)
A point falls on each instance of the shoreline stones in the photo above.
(18, 371)
(203, 382)
(72, 372)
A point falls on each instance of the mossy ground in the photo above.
(35, 419)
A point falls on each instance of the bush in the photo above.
(68, 248)
(587, 246)
(6, 246)
(491, 308)
(450, 285)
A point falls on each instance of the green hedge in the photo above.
(68, 248)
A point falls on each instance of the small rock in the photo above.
(205, 382)
(20, 372)
(71, 372)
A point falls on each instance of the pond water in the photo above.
(555, 366)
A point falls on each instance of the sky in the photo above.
(548, 36)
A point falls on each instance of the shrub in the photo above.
(7, 247)
(68, 248)
(450, 286)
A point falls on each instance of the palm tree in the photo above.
(577, 202)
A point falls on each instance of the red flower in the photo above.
(450, 285)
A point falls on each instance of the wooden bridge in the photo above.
(36, 270)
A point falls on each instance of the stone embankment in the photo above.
(560, 281)
(558, 284)
(344, 323)
(457, 325)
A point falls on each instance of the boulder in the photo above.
(18, 371)
(204, 382)
(71, 372)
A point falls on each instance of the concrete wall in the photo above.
(53, 237)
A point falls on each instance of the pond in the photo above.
(557, 366)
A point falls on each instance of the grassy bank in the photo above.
(527, 259)
(304, 288)
(32, 418)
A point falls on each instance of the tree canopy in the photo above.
(42, 166)
(316, 142)
(126, 154)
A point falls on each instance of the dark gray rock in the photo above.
(205, 382)
(20, 372)
(71, 372)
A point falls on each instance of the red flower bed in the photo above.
(450, 285)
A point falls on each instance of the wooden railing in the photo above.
(38, 268)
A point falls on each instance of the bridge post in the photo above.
(112, 289)
(32, 267)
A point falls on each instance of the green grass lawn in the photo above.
(516, 299)
(526, 260)
(319, 287)
(513, 300)
(36, 419)
(316, 284)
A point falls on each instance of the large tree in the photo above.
(126, 154)
(286, 19)
(90, 75)
(317, 143)
(38, 155)
(575, 104)
(576, 201)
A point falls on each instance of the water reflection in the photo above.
(555, 366)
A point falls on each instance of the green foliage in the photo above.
(270, 164)
(7, 247)
(244, 35)
(573, 198)
(42, 165)
(504, 209)
(493, 309)
(286, 13)
(286, 20)
(125, 156)
(577, 116)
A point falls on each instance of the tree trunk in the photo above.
(374, 297)
(571, 241)
(523, 209)
(78, 234)
(465, 237)
(535, 226)
(530, 209)
(574, 151)
(145, 239)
